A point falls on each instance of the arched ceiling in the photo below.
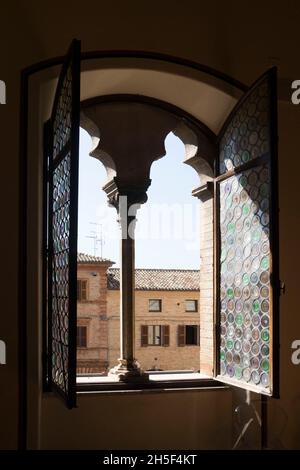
(207, 98)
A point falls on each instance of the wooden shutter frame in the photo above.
(144, 336)
(82, 289)
(181, 335)
(165, 335)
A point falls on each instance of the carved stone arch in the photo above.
(114, 125)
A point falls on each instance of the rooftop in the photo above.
(149, 279)
(84, 258)
(159, 279)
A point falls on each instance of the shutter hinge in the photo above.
(281, 287)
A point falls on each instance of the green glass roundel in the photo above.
(230, 293)
(246, 279)
(265, 365)
(230, 344)
(256, 306)
(239, 320)
(264, 263)
(231, 227)
(265, 335)
(245, 156)
(238, 372)
(222, 356)
(246, 209)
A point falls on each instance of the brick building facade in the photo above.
(166, 311)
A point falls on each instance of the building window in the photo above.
(188, 335)
(81, 289)
(81, 336)
(155, 335)
(154, 305)
(191, 305)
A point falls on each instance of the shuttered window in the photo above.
(81, 336)
(155, 335)
(82, 289)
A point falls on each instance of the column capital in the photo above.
(204, 192)
(136, 194)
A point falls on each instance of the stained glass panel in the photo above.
(244, 277)
(247, 136)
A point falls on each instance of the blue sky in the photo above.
(168, 224)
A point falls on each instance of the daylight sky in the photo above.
(168, 224)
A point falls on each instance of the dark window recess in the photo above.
(154, 305)
(188, 335)
(81, 336)
(81, 290)
(155, 335)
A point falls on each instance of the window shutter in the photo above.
(63, 148)
(181, 335)
(83, 290)
(78, 290)
(144, 335)
(246, 211)
(165, 335)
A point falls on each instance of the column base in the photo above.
(127, 371)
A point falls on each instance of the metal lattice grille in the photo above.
(60, 272)
(62, 120)
(62, 229)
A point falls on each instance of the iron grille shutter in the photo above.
(62, 229)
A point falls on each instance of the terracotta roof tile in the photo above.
(84, 258)
(159, 279)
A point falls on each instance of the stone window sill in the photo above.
(158, 382)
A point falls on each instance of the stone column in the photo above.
(127, 202)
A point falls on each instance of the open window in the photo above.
(245, 243)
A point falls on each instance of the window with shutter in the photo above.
(61, 152)
(246, 242)
(82, 289)
(81, 336)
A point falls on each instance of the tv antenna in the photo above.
(97, 237)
